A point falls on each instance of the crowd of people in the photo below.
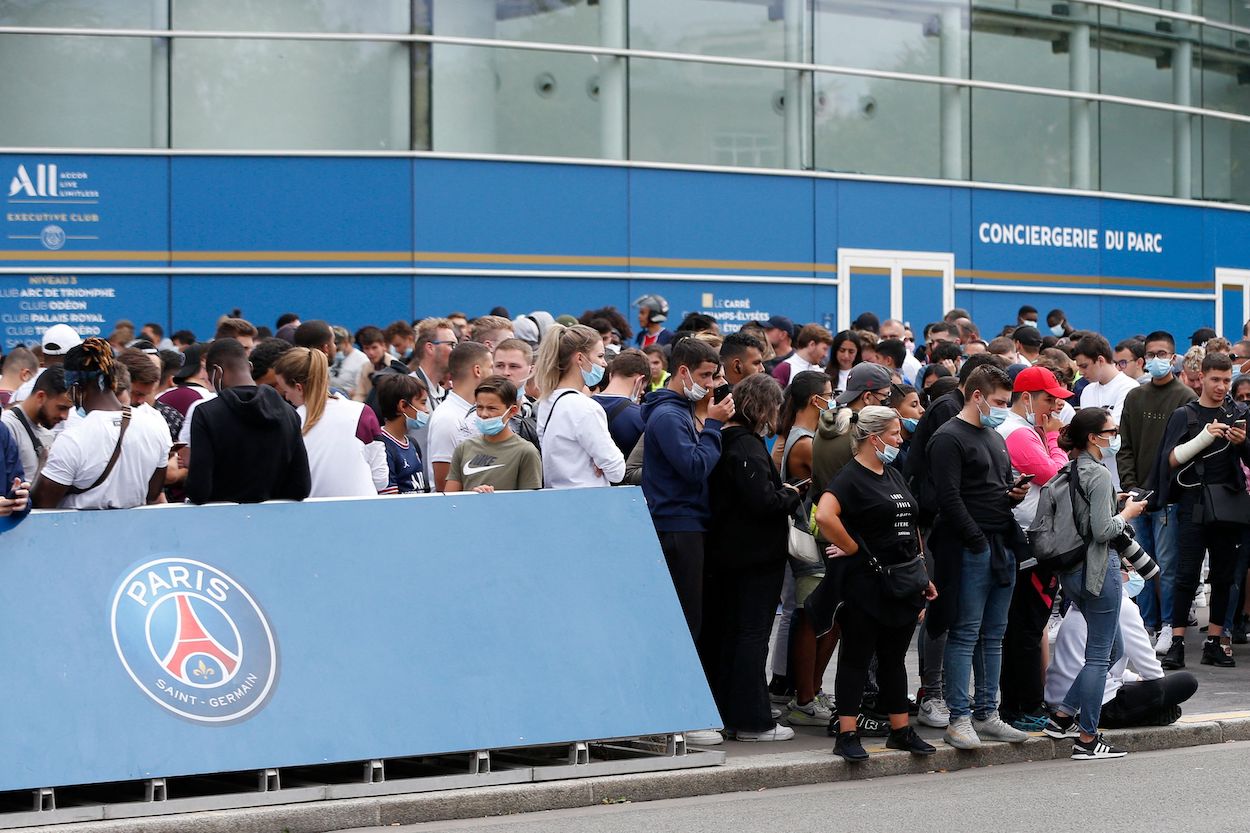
(847, 492)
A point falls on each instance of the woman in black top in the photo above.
(746, 549)
(868, 511)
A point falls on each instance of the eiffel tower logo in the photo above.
(191, 639)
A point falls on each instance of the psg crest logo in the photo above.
(194, 640)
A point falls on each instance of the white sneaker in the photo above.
(778, 732)
(826, 700)
(812, 714)
(1165, 639)
(1052, 627)
(705, 737)
(934, 713)
(993, 728)
(961, 735)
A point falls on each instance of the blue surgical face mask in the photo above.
(421, 420)
(1112, 449)
(593, 376)
(995, 417)
(828, 403)
(81, 411)
(886, 453)
(1158, 368)
(909, 423)
(1030, 415)
(1134, 585)
(490, 427)
(1056, 330)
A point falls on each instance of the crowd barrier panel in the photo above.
(172, 641)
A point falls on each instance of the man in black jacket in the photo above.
(246, 445)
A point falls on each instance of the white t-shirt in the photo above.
(573, 432)
(345, 372)
(452, 423)
(84, 448)
(26, 448)
(338, 461)
(184, 433)
(798, 364)
(911, 369)
(1110, 397)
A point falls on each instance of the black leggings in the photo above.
(862, 636)
(1147, 702)
(1023, 678)
(1220, 542)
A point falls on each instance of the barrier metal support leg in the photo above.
(44, 799)
(375, 772)
(675, 745)
(479, 763)
(579, 753)
(268, 780)
(154, 790)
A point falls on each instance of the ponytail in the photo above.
(309, 368)
(555, 354)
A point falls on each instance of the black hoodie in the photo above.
(247, 447)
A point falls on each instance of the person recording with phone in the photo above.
(1203, 448)
(1094, 584)
(15, 500)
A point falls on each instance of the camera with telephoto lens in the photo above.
(1132, 554)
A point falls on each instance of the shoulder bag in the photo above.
(117, 453)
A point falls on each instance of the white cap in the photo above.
(59, 338)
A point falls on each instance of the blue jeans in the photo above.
(980, 622)
(1104, 644)
(1156, 532)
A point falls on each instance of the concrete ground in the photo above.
(1147, 791)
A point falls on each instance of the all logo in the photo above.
(194, 640)
(44, 184)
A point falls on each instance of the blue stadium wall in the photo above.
(182, 239)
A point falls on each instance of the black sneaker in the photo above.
(872, 724)
(1239, 630)
(1175, 657)
(1061, 728)
(907, 740)
(1096, 750)
(848, 747)
(1213, 653)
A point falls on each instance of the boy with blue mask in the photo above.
(1143, 420)
(973, 544)
(403, 403)
(498, 460)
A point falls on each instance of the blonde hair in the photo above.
(309, 368)
(555, 354)
(871, 420)
(715, 339)
(1193, 359)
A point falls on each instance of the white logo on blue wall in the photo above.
(52, 237)
(194, 640)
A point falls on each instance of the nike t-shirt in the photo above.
(509, 465)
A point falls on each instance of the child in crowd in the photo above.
(498, 460)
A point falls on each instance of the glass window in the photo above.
(706, 115)
(302, 95)
(82, 91)
(512, 101)
(1225, 153)
(708, 27)
(1026, 42)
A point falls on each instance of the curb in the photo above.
(756, 772)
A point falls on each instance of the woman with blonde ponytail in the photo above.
(577, 449)
(340, 464)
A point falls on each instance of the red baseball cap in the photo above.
(1034, 379)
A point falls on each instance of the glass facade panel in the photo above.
(513, 101)
(82, 91)
(377, 95)
(705, 115)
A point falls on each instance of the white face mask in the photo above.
(694, 391)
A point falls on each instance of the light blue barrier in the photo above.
(189, 640)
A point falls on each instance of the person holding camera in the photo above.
(869, 514)
(1204, 445)
(1094, 585)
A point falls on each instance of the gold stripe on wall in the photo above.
(1094, 281)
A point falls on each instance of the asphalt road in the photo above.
(1185, 789)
